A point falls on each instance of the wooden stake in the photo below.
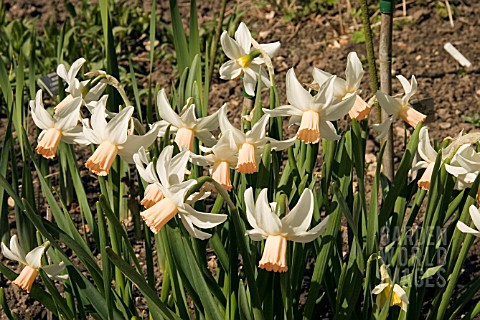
(385, 55)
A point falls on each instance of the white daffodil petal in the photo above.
(118, 126)
(98, 122)
(34, 257)
(69, 114)
(475, 214)
(258, 130)
(282, 144)
(310, 235)
(54, 270)
(16, 249)
(75, 135)
(390, 104)
(297, 96)
(91, 136)
(325, 95)
(40, 116)
(202, 219)
(250, 208)
(210, 123)
(243, 37)
(425, 149)
(339, 110)
(455, 171)
(62, 72)
(270, 48)
(379, 288)
(194, 232)
(11, 254)
(266, 219)
(403, 296)
(283, 111)
(133, 143)
(320, 76)
(383, 127)
(257, 234)
(466, 229)
(74, 68)
(354, 71)
(300, 217)
(231, 47)
(177, 167)
(226, 126)
(328, 131)
(165, 110)
(96, 92)
(249, 81)
(230, 70)
(189, 118)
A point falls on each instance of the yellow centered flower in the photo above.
(246, 159)
(102, 159)
(244, 61)
(309, 131)
(221, 174)
(47, 146)
(274, 254)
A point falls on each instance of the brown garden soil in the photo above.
(323, 40)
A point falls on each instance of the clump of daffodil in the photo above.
(174, 202)
(76, 88)
(399, 297)
(314, 114)
(221, 158)
(399, 108)
(251, 144)
(267, 225)
(186, 126)
(344, 89)
(244, 60)
(112, 138)
(32, 262)
(62, 126)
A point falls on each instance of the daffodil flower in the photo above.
(314, 114)
(399, 296)
(293, 227)
(174, 202)
(75, 87)
(244, 60)
(428, 155)
(465, 166)
(399, 108)
(173, 167)
(222, 157)
(344, 89)
(113, 139)
(186, 126)
(32, 262)
(62, 126)
(251, 144)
